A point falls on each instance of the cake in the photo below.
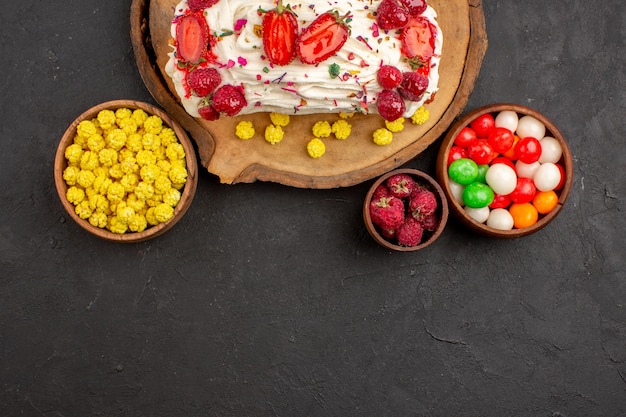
(235, 57)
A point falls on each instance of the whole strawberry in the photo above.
(422, 203)
(229, 99)
(387, 212)
(203, 81)
(401, 185)
(196, 5)
(410, 232)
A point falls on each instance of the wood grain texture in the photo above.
(346, 162)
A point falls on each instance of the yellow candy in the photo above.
(316, 148)
(322, 129)
(382, 137)
(125, 170)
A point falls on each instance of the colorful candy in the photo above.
(505, 171)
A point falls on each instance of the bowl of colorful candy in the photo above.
(125, 171)
(506, 170)
(405, 210)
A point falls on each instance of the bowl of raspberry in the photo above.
(506, 170)
(125, 171)
(405, 210)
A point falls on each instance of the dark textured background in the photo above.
(267, 300)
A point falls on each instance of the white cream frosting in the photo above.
(285, 89)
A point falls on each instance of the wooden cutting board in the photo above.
(345, 163)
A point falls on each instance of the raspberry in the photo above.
(389, 77)
(422, 203)
(203, 81)
(229, 99)
(390, 105)
(388, 234)
(196, 5)
(401, 185)
(429, 222)
(410, 232)
(415, 7)
(413, 85)
(207, 112)
(380, 192)
(391, 15)
(387, 212)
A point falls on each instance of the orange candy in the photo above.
(524, 215)
(511, 152)
(545, 201)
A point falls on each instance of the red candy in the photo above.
(483, 125)
(501, 139)
(503, 160)
(524, 191)
(528, 150)
(500, 201)
(456, 152)
(465, 137)
(480, 151)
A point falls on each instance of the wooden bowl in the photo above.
(187, 192)
(428, 238)
(456, 207)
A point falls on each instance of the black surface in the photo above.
(267, 300)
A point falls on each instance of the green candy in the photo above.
(463, 171)
(482, 173)
(477, 195)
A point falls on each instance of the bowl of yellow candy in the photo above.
(125, 171)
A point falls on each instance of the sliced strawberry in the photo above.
(418, 39)
(280, 30)
(323, 37)
(192, 37)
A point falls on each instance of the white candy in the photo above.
(551, 150)
(479, 214)
(501, 178)
(547, 177)
(528, 126)
(457, 192)
(500, 219)
(525, 170)
(507, 119)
